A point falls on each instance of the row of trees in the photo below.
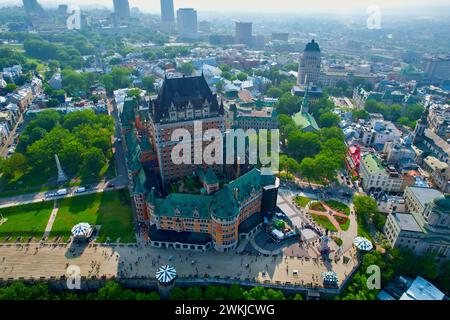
(81, 139)
(114, 291)
(367, 213)
(67, 55)
(316, 156)
(111, 291)
(405, 115)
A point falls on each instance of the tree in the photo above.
(360, 114)
(235, 292)
(186, 68)
(329, 119)
(242, 76)
(274, 92)
(308, 169)
(288, 104)
(303, 144)
(93, 162)
(110, 291)
(10, 87)
(13, 165)
(148, 83)
(52, 103)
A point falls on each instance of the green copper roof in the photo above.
(222, 205)
(372, 163)
(188, 206)
(443, 203)
(305, 120)
(139, 183)
(209, 177)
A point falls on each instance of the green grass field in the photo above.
(338, 206)
(324, 222)
(25, 221)
(104, 209)
(301, 201)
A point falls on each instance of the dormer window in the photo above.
(195, 213)
(177, 212)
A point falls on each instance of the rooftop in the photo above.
(372, 163)
(425, 195)
(407, 222)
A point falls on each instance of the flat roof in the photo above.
(407, 222)
(373, 164)
(421, 289)
(425, 195)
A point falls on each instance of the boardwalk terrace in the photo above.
(180, 102)
(219, 220)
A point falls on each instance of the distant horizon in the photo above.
(286, 7)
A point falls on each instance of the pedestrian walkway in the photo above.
(51, 220)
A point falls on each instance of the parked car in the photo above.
(80, 190)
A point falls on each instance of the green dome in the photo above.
(443, 202)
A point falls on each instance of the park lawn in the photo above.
(324, 222)
(301, 201)
(104, 209)
(338, 206)
(317, 206)
(25, 220)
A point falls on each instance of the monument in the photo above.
(61, 175)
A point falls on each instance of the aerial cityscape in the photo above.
(181, 151)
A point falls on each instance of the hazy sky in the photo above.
(289, 6)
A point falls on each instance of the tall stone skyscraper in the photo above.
(243, 34)
(167, 16)
(32, 7)
(309, 65)
(122, 9)
(187, 22)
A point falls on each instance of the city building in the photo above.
(187, 22)
(426, 231)
(180, 103)
(378, 132)
(439, 120)
(309, 65)
(167, 16)
(32, 7)
(405, 288)
(122, 9)
(280, 36)
(244, 33)
(256, 117)
(437, 67)
(218, 220)
(378, 176)
(400, 152)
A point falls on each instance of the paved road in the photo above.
(13, 135)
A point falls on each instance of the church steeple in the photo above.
(305, 102)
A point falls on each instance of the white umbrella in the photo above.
(363, 244)
(165, 274)
(81, 229)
